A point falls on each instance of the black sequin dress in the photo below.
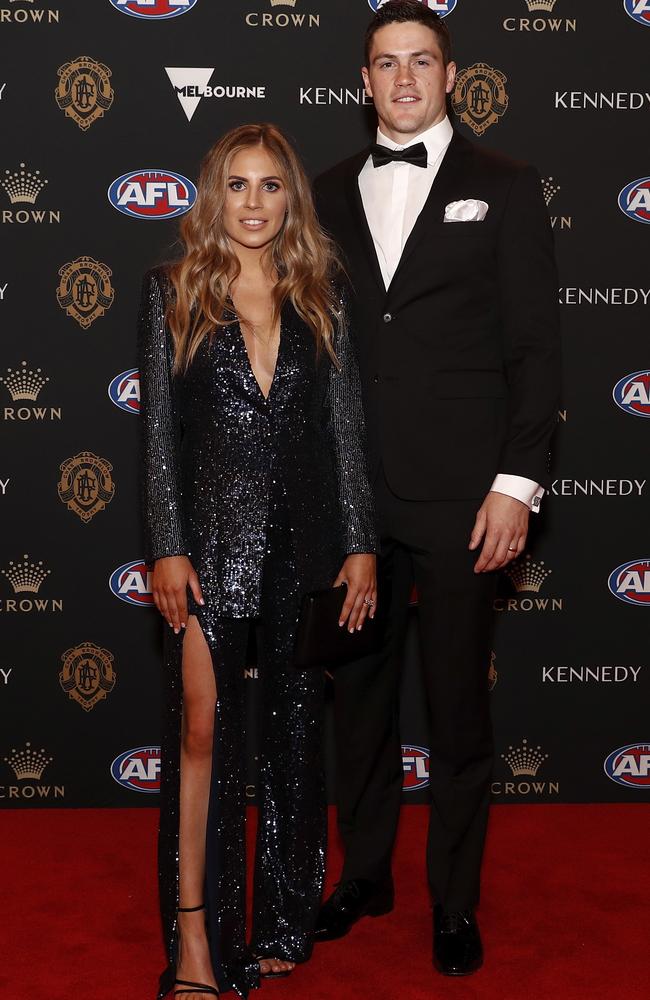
(266, 496)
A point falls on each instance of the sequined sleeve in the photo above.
(349, 433)
(160, 429)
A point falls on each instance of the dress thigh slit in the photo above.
(225, 860)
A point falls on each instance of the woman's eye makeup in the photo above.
(270, 186)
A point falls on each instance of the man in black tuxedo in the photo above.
(450, 253)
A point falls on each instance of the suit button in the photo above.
(387, 317)
(375, 378)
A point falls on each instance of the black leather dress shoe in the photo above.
(351, 900)
(457, 948)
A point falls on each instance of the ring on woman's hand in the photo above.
(368, 602)
(512, 548)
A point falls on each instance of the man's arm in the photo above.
(531, 339)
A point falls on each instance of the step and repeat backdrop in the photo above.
(106, 109)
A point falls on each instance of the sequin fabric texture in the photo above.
(266, 496)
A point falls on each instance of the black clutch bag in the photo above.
(322, 642)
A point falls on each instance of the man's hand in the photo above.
(503, 522)
(359, 572)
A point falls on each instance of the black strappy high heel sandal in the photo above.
(193, 987)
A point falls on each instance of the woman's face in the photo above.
(256, 199)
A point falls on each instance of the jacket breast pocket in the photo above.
(451, 230)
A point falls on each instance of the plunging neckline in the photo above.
(264, 396)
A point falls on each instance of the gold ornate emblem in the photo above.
(479, 98)
(85, 290)
(86, 485)
(87, 675)
(84, 90)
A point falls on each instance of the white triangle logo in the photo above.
(189, 85)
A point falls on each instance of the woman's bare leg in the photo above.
(199, 700)
(197, 735)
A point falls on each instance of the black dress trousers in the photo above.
(426, 543)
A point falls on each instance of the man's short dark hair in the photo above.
(403, 11)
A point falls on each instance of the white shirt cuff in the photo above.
(520, 488)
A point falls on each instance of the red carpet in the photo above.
(564, 916)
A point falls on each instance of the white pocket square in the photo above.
(466, 210)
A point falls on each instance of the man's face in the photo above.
(407, 80)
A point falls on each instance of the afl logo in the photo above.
(138, 769)
(132, 583)
(638, 9)
(153, 9)
(415, 761)
(152, 194)
(632, 394)
(631, 582)
(124, 391)
(630, 765)
(634, 200)
(441, 7)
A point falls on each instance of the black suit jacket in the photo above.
(460, 356)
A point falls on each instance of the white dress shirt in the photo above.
(393, 197)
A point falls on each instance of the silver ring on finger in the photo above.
(368, 602)
(512, 548)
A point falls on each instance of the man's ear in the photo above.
(366, 80)
(451, 77)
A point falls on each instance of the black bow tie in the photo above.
(381, 155)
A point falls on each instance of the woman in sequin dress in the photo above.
(255, 492)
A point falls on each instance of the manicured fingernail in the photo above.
(183, 625)
(201, 601)
(341, 623)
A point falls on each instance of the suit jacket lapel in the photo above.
(360, 227)
(443, 190)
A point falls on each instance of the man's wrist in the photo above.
(527, 491)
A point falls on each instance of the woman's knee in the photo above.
(198, 731)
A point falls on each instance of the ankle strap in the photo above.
(195, 987)
(191, 909)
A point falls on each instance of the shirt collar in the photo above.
(436, 139)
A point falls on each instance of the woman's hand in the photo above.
(172, 576)
(359, 572)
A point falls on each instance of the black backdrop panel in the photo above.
(91, 93)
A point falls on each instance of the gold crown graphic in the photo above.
(283, 3)
(26, 576)
(23, 185)
(24, 383)
(528, 575)
(549, 189)
(541, 4)
(524, 759)
(28, 763)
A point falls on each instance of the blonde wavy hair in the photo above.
(303, 257)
